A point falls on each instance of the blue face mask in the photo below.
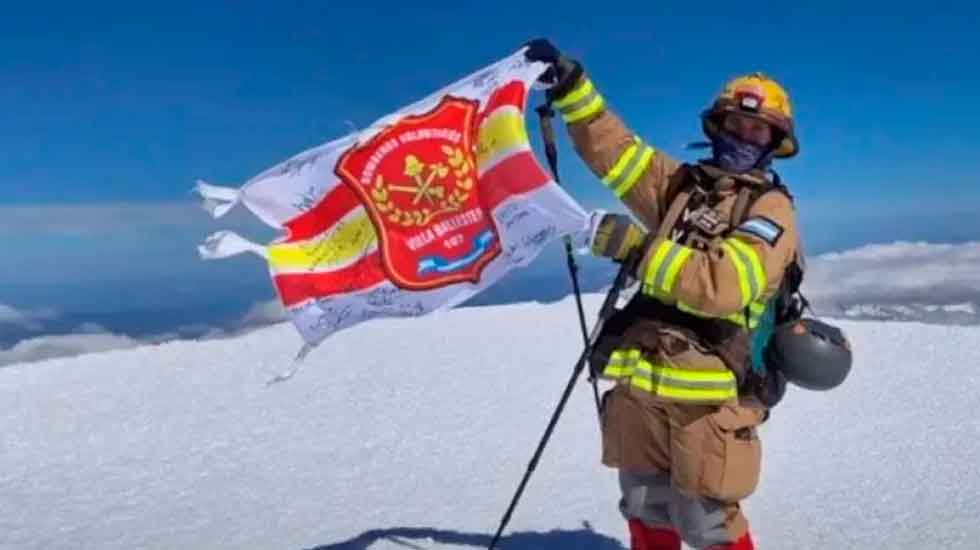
(734, 155)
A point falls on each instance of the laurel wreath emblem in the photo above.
(432, 190)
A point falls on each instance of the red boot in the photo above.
(650, 538)
(743, 543)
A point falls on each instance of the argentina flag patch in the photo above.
(762, 228)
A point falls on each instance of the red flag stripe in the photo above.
(295, 288)
(519, 173)
(513, 93)
(332, 207)
(341, 200)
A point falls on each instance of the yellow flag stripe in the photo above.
(501, 133)
(347, 241)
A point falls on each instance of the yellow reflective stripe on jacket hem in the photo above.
(671, 382)
(684, 394)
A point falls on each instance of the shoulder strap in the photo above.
(748, 194)
(674, 213)
(679, 201)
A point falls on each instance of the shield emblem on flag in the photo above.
(417, 179)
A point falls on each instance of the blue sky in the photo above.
(111, 111)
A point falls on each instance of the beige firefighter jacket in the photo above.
(701, 265)
(676, 406)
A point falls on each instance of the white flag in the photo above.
(427, 207)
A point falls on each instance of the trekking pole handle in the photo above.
(545, 114)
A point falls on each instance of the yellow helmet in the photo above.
(758, 96)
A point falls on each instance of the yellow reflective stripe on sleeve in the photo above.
(741, 270)
(758, 269)
(350, 240)
(751, 273)
(582, 102)
(674, 268)
(575, 114)
(661, 272)
(653, 267)
(577, 94)
(624, 159)
(628, 168)
(634, 175)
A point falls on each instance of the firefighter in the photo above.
(715, 243)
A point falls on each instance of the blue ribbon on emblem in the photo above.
(442, 265)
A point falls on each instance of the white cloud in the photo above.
(264, 313)
(27, 319)
(64, 345)
(911, 280)
(91, 219)
(90, 337)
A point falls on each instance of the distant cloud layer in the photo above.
(264, 313)
(27, 319)
(924, 281)
(937, 283)
(92, 338)
(100, 218)
(65, 345)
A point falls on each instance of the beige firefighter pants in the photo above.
(685, 466)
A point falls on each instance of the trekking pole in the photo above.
(546, 113)
(608, 306)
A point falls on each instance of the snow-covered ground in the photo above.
(415, 433)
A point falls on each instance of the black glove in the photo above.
(563, 73)
(540, 49)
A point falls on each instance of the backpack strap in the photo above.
(679, 202)
(677, 207)
(748, 193)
